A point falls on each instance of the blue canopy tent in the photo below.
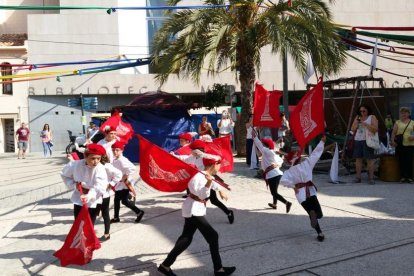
(159, 117)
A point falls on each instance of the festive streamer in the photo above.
(401, 29)
(378, 69)
(109, 9)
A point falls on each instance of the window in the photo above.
(155, 19)
(6, 70)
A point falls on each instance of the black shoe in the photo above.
(115, 220)
(164, 271)
(230, 216)
(321, 237)
(139, 216)
(313, 219)
(104, 238)
(288, 206)
(271, 205)
(227, 271)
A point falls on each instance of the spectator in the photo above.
(284, 126)
(249, 141)
(283, 131)
(225, 124)
(405, 127)
(92, 129)
(22, 137)
(389, 123)
(205, 127)
(363, 122)
(46, 136)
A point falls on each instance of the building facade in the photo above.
(74, 35)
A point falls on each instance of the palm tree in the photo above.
(192, 41)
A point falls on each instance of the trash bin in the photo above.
(389, 168)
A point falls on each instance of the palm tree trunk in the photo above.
(247, 79)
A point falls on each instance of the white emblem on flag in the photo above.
(155, 172)
(265, 115)
(306, 122)
(79, 241)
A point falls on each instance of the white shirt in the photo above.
(126, 167)
(95, 179)
(114, 176)
(198, 162)
(197, 186)
(360, 134)
(302, 173)
(269, 157)
(108, 148)
(192, 160)
(226, 126)
(249, 132)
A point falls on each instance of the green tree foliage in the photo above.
(215, 97)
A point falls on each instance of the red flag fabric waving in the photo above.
(266, 107)
(307, 120)
(123, 130)
(184, 150)
(222, 145)
(80, 242)
(161, 170)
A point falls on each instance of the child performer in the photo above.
(196, 159)
(185, 139)
(108, 141)
(194, 211)
(271, 163)
(123, 187)
(114, 176)
(91, 176)
(299, 177)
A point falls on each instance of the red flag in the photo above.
(222, 145)
(266, 107)
(307, 120)
(161, 170)
(80, 242)
(184, 150)
(123, 130)
(75, 156)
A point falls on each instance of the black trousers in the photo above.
(273, 185)
(78, 208)
(210, 235)
(122, 196)
(215, 201)
(312, 204)
(105, 214)
(405, 156)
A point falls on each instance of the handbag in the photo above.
(50, 143)
(372, 140)
(398, 139)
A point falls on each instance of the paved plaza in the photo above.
(369, 229)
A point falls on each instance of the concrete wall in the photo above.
(53, 110)
(15, 22)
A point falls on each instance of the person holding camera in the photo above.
(363, 122)
(225, 124)
(402, 138)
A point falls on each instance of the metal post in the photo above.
(285, 87)
(83, 114)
